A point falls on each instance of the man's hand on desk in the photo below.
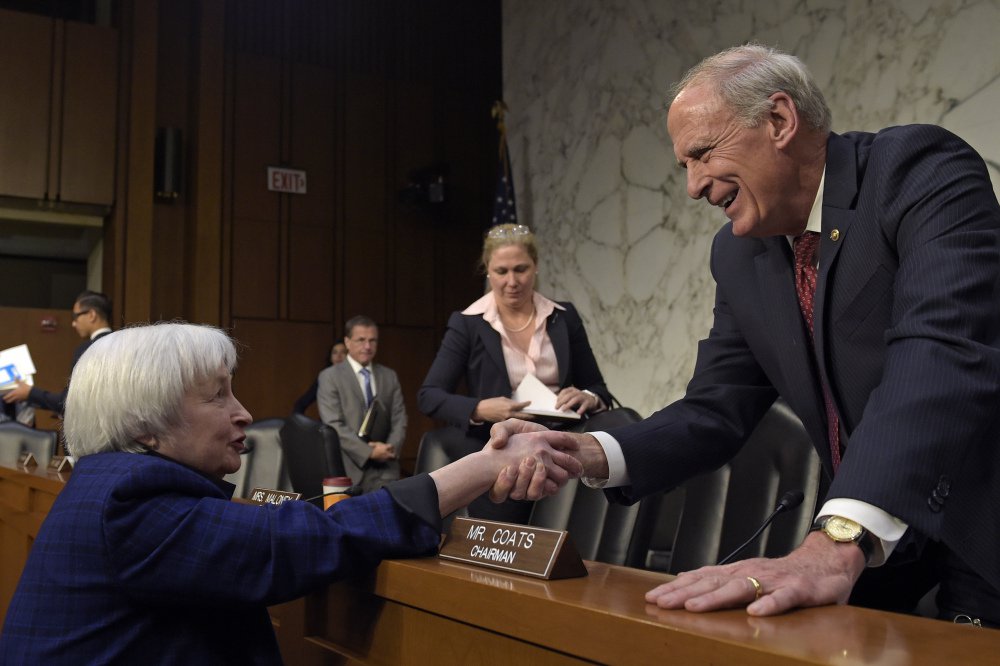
(19, 393)
(817, 573)
(584, 449)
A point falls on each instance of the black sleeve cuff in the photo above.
(418, 496)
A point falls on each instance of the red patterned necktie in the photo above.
(805, 284)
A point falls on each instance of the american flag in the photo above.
(504, 206)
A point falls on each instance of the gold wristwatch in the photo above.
(845, 530)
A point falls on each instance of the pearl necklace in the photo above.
(518, 330)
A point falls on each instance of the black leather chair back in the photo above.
(432, 455)
(723, 509)
(600, 531)
(16, 438)
(263, 466)
(312, 453)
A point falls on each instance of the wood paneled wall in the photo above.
(359, 95)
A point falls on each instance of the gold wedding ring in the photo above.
(757, 588)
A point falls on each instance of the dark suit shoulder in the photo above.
(568, 309)
(905, 145)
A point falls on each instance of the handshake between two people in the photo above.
(550, 458)
(522, 460)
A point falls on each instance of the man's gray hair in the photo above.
(131, 383)
(746, 76)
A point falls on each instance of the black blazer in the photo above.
(471, 350)
(56, 402)
(907, 324)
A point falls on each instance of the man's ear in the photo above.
(782, 120)
(149, 441)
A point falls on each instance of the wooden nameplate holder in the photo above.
(522, 549)
(27, 460)
(59, 464)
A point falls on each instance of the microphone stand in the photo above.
(789, 501)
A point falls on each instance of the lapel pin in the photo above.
(835, 235)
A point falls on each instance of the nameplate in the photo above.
(267, 496)
(522, 549)
(27, 460)
(59, 464)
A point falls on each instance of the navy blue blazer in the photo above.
(471, 350)
(907, 321)
(143, 558)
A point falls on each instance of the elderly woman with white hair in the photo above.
(144, 555)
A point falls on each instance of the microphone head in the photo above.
(790, 500)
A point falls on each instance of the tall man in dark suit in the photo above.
(346, 390)
(91, 320)
(858, 278)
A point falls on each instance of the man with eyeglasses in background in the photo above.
(91, 319)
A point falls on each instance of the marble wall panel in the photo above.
(587, 84)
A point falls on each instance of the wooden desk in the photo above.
(26, 495)
(430, 611)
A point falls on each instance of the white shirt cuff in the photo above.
(617, 474)
(887, 529)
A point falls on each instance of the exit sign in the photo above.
(280, 179)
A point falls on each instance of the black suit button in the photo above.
(944, 486)
(933, 506)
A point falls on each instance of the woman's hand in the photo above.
(495, 410)
(579, 401)
(517, 465)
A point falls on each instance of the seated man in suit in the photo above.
(347, 391)
(91, 320)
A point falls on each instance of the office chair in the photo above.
(311, 452)
(16, 438)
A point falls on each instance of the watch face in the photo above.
(839, 528)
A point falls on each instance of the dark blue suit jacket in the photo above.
(142, 558)
(907, 324)
(471, 350)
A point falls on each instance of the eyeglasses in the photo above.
(508, 231)
(81, 312)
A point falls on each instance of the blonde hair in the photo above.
(502, 235)
(131, 383)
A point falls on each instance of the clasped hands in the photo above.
(382, 451)
(550, 459)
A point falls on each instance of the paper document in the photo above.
(16, 364)
(543, 400)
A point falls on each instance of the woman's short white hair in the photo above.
(131, 383)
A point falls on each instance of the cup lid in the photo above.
(337, 481)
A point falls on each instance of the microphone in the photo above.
(789, 501)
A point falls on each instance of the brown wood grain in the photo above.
(603, 619)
